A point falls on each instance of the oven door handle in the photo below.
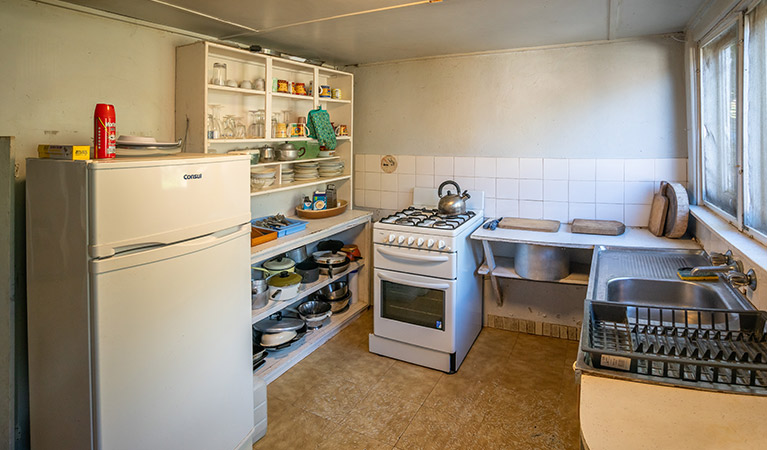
(419, 258)
(438, 286)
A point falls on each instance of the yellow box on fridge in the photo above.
(74, 152)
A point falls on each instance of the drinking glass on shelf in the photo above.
(229, 126)
(214, 122)
(239, 128)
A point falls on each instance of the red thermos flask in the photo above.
(105, 131)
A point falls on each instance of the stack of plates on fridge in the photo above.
(331, 168)
(261, 178)
(288, 175)
(306, 171)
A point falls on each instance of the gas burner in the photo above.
(445, 225)
(427, 218)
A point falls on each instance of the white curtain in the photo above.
(719, 61)
(755, 154)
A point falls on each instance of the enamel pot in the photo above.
(284, 286)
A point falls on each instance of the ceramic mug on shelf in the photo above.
(281, 131)
(297, 130)
(325, 91)
(336, 93)
(341, 130)
(283, 86)
(299, 88)
(259, 84)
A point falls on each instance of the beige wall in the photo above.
(57, 64)
(612, 100)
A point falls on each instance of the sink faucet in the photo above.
(734, 266)
(733, 270)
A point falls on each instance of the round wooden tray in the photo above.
(322, 213)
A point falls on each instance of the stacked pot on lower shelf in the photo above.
(280, 279)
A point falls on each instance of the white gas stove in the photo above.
(427, 296)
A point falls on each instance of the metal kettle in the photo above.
(452, 204)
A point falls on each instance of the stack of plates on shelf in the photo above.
(261, 178)
(306, 171)
(331, 168)
(288, 175)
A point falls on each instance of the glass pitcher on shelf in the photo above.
(257, 127)
(214, 122)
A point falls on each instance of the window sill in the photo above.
(738, 242)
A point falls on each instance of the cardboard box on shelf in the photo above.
(73, 152)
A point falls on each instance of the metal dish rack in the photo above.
(687, 344)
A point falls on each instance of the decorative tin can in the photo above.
(336, 93)
(282, 86)
(325, 91)
(104, 131)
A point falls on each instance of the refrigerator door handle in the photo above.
(168, 251)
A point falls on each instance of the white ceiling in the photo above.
(363, 31)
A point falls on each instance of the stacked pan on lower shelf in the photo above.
(281, 331)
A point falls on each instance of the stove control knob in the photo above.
(430, 243)
(401, 239)
(410, 240)
(392, 237)
(419, 242)
(441, 245)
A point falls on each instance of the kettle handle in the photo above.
(448, 182)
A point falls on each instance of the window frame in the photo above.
(739, 19)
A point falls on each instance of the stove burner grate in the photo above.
(427, 218)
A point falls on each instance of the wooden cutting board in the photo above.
(515, 223)
(678, 210)
(604, 227)
(658, 212)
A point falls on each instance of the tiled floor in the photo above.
(513, 391)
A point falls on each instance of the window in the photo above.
(733, 121)
(755, 156)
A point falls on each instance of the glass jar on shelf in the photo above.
(219, 74)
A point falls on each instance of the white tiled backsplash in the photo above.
(535, 188)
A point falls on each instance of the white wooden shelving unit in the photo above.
(194, 95)
(352, 227)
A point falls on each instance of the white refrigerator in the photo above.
(138, 279)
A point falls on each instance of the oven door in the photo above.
(424, 262)
(415, 309)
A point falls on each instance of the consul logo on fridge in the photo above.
(192, 176)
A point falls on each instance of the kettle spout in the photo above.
(465, 195)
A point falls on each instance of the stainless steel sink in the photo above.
(678, 294)
(649, 277)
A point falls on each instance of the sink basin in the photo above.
(671, 293)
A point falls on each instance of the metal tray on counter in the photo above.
(696, 345)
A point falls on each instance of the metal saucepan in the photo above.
(331, 263)
(298, 254)
(309, 271)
